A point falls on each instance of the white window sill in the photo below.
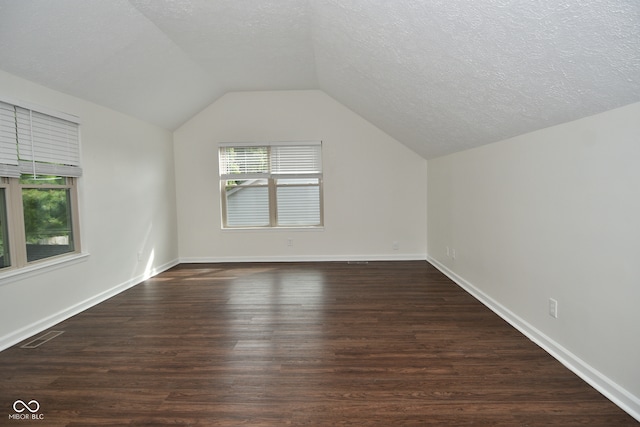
(272, 229)
(35, 269)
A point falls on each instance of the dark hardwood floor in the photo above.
(306, 344)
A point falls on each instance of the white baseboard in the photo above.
(46, 323)
(614, 392)
(307, 258)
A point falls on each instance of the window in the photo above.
(271, 185)
(5, 259)
(39, 168)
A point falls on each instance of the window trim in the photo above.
(272, 186)
(15, 218)
(9, 275)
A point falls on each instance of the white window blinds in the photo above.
(271, 185)
(244, 161)
(298, 202)
(36, 143)
(8, 141)
(292, 159)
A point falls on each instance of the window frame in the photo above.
(10, 182)
(9, 242)
(272, 185)
(19, 231)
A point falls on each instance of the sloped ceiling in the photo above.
(438, 75)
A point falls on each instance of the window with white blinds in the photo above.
(37, 143)
(271, 185)
(39, 166)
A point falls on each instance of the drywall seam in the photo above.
(43, 324)
(610, 389)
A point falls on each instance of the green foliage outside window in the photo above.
(46, 213)
(47, 210)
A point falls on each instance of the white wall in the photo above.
(127, 201)
(552, 214)
(374, 187)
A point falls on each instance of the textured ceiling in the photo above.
(438, 75)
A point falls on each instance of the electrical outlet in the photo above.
(289, 241)
(453, 253)
(553, 308)
(396, 246)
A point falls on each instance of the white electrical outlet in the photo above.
(453, 253)
(289, 241)
(553, 308)
(396, 246)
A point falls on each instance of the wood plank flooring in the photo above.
(305, 344)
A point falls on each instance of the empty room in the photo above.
(319, 213)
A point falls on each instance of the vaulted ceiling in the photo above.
(438, 75)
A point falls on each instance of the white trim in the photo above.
(43, 324)
(272, 229)
(305, 258)
(40, 109)
(245, 176)
(596, 379)
(268, 143)
(41, 267)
